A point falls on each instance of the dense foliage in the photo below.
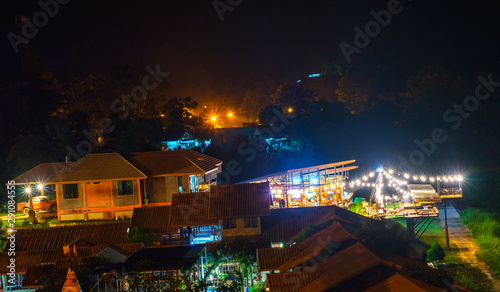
(144, 235)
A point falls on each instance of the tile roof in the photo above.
(190, 210)
(40, 173)
(26, 259)
(346, 264)
(180, 257)
(242, 200)
(205, 162)
(339, 267)
(201, 161)
(283, 224)
(155, 164)
(314, 244)
(156, 218)
(97, 167)
(291, 282)
(56, 237)
(269, 259)
(398, 282)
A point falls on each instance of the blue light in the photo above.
(314, 75)
(379, 169)
(314, 181)
(296, 180)
(299, 81)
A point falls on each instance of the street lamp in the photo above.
(290, 110)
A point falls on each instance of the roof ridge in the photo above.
(124, 159)
(39, 165)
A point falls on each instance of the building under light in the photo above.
(318, 185)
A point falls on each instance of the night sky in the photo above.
(284, 39)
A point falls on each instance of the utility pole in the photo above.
(446, 228)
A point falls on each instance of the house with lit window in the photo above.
(98, 186)
(194, 218)
(111, 185)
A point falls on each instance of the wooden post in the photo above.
(446, 228)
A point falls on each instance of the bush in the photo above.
(144, 235)
(435, 253)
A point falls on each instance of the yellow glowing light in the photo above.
(213, 118)
(290, 109)
(28, 190)
(39, 187)
(230, 114)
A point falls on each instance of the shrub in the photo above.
(143, 235)
(435, 253)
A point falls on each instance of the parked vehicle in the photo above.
(40, 203)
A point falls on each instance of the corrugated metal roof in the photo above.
(56, 237)
(97, 167)
(242, 200)
(156, 218)
(40, 173)
(269, 259)
(190, 210)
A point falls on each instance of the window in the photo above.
(179, 183)
(125, 188)
(229, 223)
(70, 191)
(251, 222)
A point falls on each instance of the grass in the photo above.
(24, 223)
(485, 228)
(435, 232)
(356, 208)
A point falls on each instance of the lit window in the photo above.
(125, 188)
(70, 191)
(179, 183)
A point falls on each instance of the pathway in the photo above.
(462, 237)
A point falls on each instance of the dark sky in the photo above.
(283, 39)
